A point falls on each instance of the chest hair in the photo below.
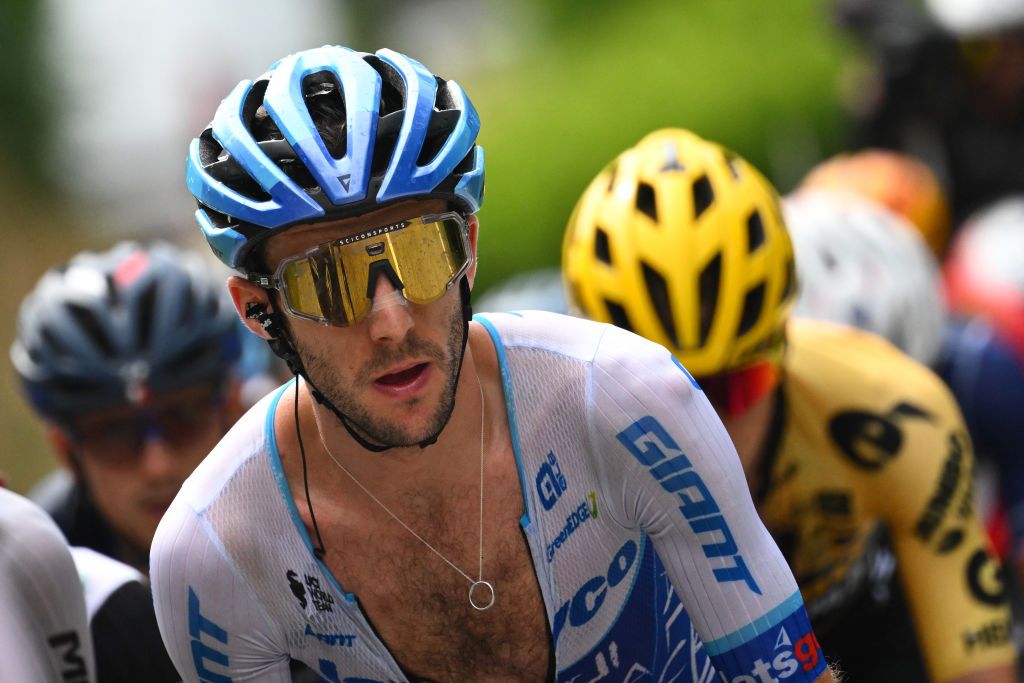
(419, 605)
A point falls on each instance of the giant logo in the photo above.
(203, 652)
(648, 441)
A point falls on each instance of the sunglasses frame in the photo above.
(276, 282)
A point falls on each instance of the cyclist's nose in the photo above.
(157, 457)
(389, 318)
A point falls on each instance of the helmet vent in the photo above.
(53, 341)
(441, 123)
(618, 315)
(709, 285)
(602, 249)
(829, 259)
(392, 90)
(752, 304)
(658, 292)
(146, 313)
(703, 196)
(755, 231)
(88, 323)
(612, 174)
(113, 297)
(734, 165)
(327, 109)
(789, 286)
(645, 201)
(188, 310)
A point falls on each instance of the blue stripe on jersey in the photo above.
(786, 650)
(513, 426)
(687, 373)
(756, 627)
(286, 492)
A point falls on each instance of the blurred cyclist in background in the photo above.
(896, 180)
(984, 284)
(44, 630)
(984, 274)
(945, 83)
(856, 455)
(862, 265)
(534, 290)
(128, 356)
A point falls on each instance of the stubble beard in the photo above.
(390, 430)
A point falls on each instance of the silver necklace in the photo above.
(478, 602)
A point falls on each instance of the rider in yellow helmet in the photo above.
(856, 455)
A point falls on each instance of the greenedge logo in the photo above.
(586, 510)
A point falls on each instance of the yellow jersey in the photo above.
(868, 492)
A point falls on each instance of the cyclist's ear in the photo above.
(250, 299)
(60, 442)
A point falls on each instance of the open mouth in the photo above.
(403, 377)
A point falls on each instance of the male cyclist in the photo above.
(127, 355)
(512, 498)
(856, 455)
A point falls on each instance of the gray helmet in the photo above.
(122, 326)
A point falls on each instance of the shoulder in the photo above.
(840, 366)
(891, 423)
(543, 331)
(24, 522)
(608, 369)
(246, 440)
(101, 576)
(233, 479)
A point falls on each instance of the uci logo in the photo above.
(550, 482)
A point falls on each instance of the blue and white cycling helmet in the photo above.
(121, 327)
(331, 133)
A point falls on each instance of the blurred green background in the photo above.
(561, 87)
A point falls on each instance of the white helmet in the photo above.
(976, 17)
(861, 264)
(540, 290)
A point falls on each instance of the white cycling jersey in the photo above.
(44, 629)
(635, 506)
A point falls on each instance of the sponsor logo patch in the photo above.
(585, 511)
(551, 482)
(309, 590)
(339, 639)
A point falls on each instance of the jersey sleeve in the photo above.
(924, 491)
(44, 627)
(668, 467)
(212, 626)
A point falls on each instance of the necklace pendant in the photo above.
(486, 600)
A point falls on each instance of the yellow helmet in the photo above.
(895, 179)
(683, 242)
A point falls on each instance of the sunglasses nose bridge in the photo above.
(378, 269)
